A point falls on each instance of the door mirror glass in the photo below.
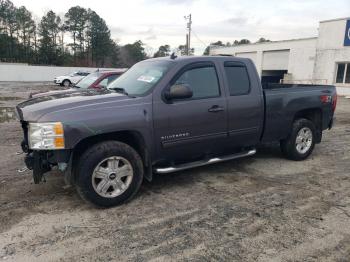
(179, 91)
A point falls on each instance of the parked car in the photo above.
(97, 80)
(164, 115)
(68, 80)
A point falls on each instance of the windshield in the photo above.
(142, 77)
(74, 74)
(87, 81)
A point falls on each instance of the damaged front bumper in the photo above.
(43, 161)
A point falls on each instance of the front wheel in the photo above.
(109, 173)
(66, 83)
(301, 141)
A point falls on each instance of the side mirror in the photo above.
(179, 91)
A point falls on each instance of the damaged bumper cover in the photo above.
(41, 162)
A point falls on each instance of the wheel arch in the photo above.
(315, 116)
(130, 137)
(66, 79)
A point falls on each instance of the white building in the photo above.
(320, 60)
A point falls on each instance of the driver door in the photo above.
(188, 128)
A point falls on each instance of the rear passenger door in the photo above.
(245, 104)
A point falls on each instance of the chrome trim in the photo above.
(172, 169)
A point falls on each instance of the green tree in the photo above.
(132, 53)
(163, 50)
(263, 40)
(76, 23)
(207, 50)
(50, 51)
(241, 42)
(183, 50)
(217, 43)
(21, 40)
(25, 32)
(9, 25)
(114, 54)
(99, 43)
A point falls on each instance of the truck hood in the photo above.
(35, 108)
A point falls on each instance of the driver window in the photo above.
(203, 82)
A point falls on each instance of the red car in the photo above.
(96, 80)
(99, 79)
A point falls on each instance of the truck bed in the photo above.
(284, 101)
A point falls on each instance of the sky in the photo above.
(159, 22)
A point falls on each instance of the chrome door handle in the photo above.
(215, 109)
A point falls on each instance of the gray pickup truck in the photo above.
(165, 115)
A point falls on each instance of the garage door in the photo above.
(251, 55)
(275, 60)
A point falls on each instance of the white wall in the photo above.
(26, 73)
(251, 55)
(275, 60)
(297, 56)
(331, 49)
(311, 60)
(302, 60)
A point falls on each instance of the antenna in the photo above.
(173, 56)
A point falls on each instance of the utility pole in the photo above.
(188, 37)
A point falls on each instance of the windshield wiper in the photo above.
(121, 91)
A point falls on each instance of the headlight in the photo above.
(44, 136)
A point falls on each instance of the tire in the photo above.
(92, 163)
(297, 147)
(66, 83)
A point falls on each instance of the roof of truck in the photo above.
(200, 58)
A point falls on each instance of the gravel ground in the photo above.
(262, 208)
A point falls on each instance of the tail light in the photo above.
(326, 99)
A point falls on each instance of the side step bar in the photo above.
(166, 170)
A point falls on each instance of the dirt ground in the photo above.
(261, 208)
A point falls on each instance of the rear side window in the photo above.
(202, 80)
(109, 79)
(237, 79)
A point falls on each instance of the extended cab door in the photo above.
(196, 126)
(245, 103)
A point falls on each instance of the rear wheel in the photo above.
(109, 174)
(301, 141)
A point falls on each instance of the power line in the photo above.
(204, 44)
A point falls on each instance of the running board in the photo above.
(165, 170)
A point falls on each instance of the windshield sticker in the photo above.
(147, 79)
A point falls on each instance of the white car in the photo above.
(71, 79)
